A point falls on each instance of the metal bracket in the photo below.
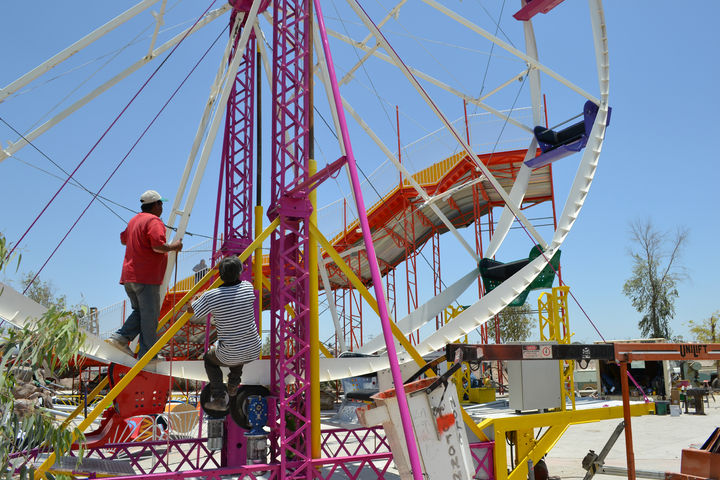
(594, 462)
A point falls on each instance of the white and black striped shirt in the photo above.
(234, 312)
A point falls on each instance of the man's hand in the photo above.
(188, 306)
(175, 246)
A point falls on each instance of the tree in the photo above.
(707, 331)
(516, 323)
(43, 292)
(652, 287)
(48, 344)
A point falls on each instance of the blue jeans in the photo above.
(145, 303)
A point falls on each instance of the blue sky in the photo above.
(658, 160)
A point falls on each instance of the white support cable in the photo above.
(425, 312)
(403, 68)
(218, 117)
(331, 301)
(517, 193)
(436, 82)
(409, 177)
(202, 126)
(159, 21)
(534, 63)
(14, 147)
(519, 188)
(348, 76)
(54, 61)
(506, 84)
(453, 191)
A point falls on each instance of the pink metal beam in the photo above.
(533, 7)
(291, 143)
(372, 259)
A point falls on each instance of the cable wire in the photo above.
(131, 148)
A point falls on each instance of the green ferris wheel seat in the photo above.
(493, 273)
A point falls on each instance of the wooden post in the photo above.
(626, 415)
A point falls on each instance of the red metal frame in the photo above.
(352, 325)
(437, 277)
(411, 253)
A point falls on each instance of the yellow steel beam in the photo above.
(291, 312)
(542, 446)
(90, 397)
(558, 423)
(256, 244)
(124, 381)
(314, 333)
(257, 266)
(345, 268)
(571, 417)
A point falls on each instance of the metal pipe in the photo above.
(622, 471)
(314, 325)
(626, 416)
(372, 260)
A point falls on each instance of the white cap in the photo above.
(151, 196)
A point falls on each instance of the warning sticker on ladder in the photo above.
(536, 351)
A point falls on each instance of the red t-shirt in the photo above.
(142, 264)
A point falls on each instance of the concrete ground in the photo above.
(657, 442)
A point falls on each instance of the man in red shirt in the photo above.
(143, 270)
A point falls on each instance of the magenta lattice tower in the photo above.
(235, 188)
(236, 172)
(289, 283)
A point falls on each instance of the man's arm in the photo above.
(175, 246)
(123, 237)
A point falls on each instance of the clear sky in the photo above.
(658, 161)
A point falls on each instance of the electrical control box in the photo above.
(534, 382)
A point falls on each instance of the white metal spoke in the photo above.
(348, 76)
(491, 178)
(534, 63)
(218, 117)
(519, 188)
(220, 77)
(409, 177)
(435, 82)
(512, 80)
(14, 147)
(325, 80)
(260, 43)
(51, 63)
(331, 301)
(159, 21)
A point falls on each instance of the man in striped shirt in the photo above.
(232, 305)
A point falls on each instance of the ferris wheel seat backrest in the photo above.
(557, 144)
(493, 273)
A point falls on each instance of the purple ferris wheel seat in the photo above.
(555, 145)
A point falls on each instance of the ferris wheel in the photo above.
(429, 78)
(365, 80)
